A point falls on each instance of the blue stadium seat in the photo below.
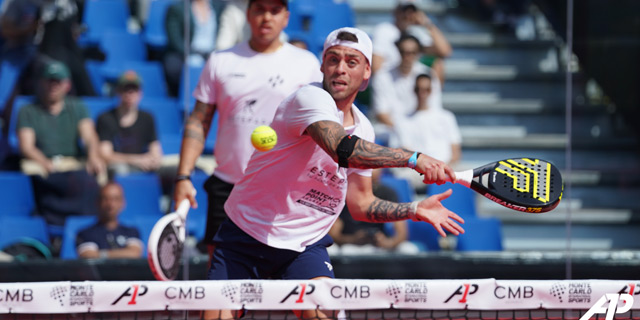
(328, 16)
(462, 201)
(12, 229)
(481, 234)
(99, 105)
(9, 75)
(155, 35)
(142, 193)
(171, 143)
(401, 186)
(210, 143)
(423, 234)
(167, 117)
(119, 47)
(154, 83)
(16, 194)
(100, 16)
(18, 103)
(185, 91)
(144, 224)
(72, 226)
(94, 70)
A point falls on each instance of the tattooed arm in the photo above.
(328, 134)
(195, 133)
(364, 206)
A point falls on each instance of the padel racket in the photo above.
(522, 184)
(166, 242)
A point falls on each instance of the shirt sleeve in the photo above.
(205, 89)
(105, 128)
(383, 93)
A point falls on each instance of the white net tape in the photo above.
(332, 294)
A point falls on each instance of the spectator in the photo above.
(128, 139)
(61, 30)
(393, 89)
(407, 18)
(433, 131)
(108, 238)
(203, 29)
(233, 27)
(357, 237)
(48, 131)
(19, 24)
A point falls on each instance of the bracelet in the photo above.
(181, 177)
(413, 161)
(413, 210)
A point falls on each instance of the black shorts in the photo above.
(217, 194)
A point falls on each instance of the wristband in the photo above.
(181, 177)
(413, 161)
(413, 210)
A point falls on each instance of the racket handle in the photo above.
(183, 208)
(464, 177)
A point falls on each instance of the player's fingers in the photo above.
(439, 229)
(456, 217)
(444, 195)
(451, 175)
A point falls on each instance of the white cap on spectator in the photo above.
(364, 45)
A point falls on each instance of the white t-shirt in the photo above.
(431, 132)
(384, 37)
(393, 92)
(291, 195)
(247, 87)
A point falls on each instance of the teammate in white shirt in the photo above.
(244, 84)
(283, 207)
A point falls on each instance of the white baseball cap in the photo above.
(364, 45)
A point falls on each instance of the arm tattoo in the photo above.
(370, 155)
(199, 122)
(387, 211)
(327, 134)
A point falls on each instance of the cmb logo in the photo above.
(612, 308)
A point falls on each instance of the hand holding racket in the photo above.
(522, 184)
(166, 242)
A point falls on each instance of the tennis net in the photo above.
(355, 298)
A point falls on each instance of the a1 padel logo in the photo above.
(134, 292)
(299, 292)
(601, 307)
(464, 291)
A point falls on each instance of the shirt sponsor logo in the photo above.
(185, 293)
(320, 201)
(299, 292)
(464, 291)
(81, 295)
(134, 292)
(331, 179)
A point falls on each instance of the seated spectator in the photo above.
(203, 30)
(358, 237)
(128, 139)
(393, 95)
(109, 238)
(48, 133)
(433, 131)
(409, 19)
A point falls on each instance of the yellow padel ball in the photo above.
(264, 138)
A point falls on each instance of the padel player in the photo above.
(283, 207)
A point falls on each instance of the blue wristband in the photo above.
(413, 161)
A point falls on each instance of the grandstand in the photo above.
(509, 96)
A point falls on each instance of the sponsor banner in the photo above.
(599, 296)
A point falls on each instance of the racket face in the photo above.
(523, 184)
(165, 248)
(169, 251)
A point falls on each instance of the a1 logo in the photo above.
(612, 309)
